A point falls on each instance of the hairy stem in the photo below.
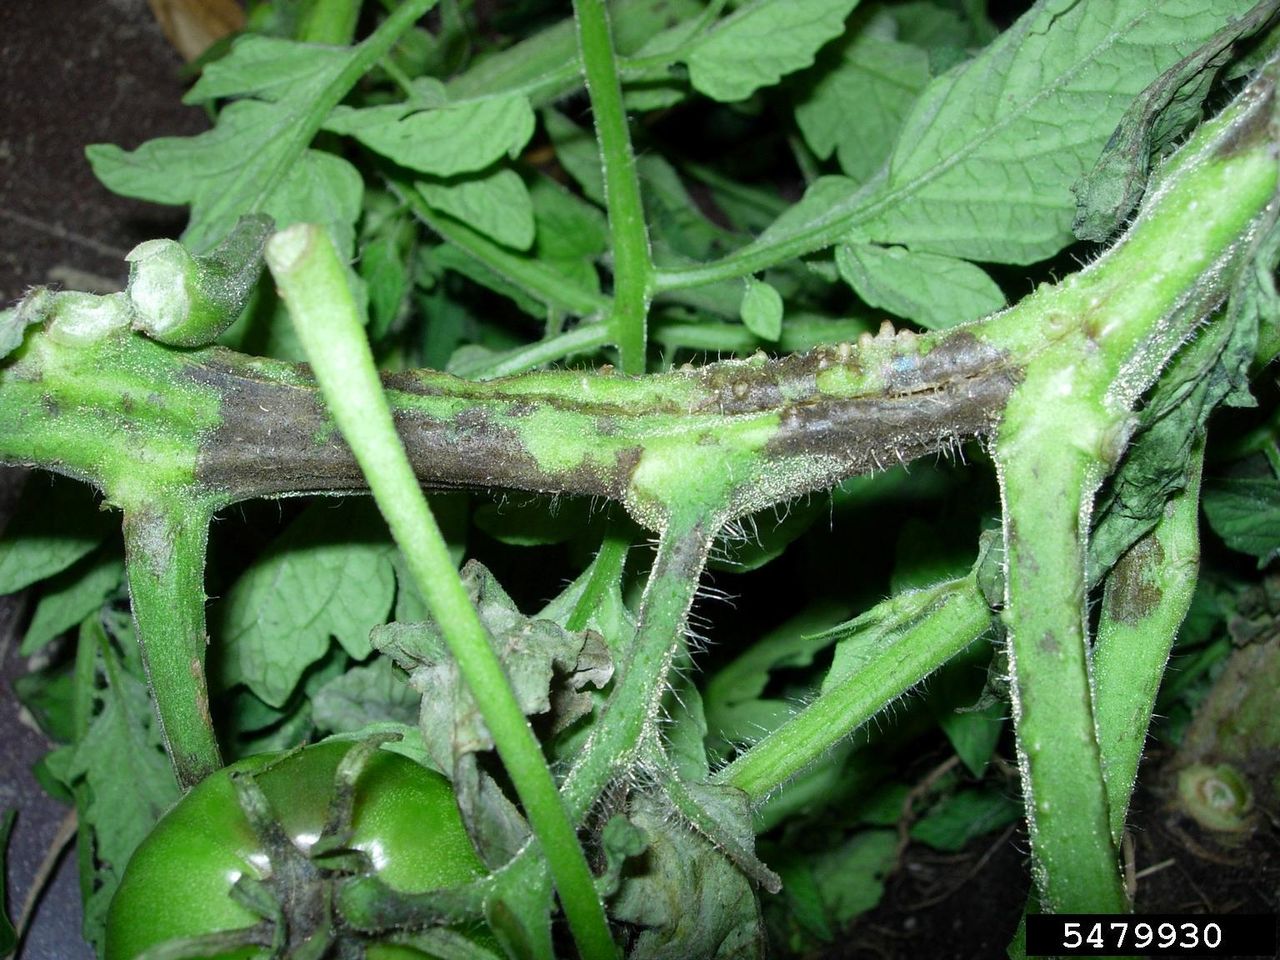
(605, 570)
(315, 287)
(642, 679)
(1114, 327)
(1146, 598)
(165, 543)
(632, 264)
(619, 734)
(1047, 494)
(927, 628)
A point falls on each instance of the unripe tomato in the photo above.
(178, 882)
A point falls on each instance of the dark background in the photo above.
(72, 72)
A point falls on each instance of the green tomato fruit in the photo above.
(178, 882)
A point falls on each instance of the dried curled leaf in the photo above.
(550, 670)
(691, 900)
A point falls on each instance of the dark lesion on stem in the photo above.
(277, 439)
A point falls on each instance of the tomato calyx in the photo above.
(298, 879)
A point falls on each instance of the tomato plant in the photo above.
(612, 289)
(179, 882)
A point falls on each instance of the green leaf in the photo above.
(8, 935)
(382, 268)
(268, 68)
(319, 188)
(118, 772)
(826, 201)
(370, 693)
(569, 229)
(57, 522)
(48, 696)
(762, 309)
(803, 898)
(866, 636)
(255, 160)
(851, 876)
(856, 107)
(985, 161)
(497, 205)
(678, 229)
(762, 41)
(961, 817)
(974, 734)
(309, 585)
(943, 31)
(1245, 512)
(252, 727)
(446, 140)
(72, 596)
(557, 274)
(934, 291)
(1164, 111)
(577, 152)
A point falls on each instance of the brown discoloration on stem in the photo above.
(276, 438)
(1131, 593)
(1256, 126)
(873, 432)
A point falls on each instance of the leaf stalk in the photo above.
(315, 286)
(632, 260)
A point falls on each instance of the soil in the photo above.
(967, 906)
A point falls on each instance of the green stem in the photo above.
(404, 82)
(315, 287)
(1106, 334)
(640, 66)
(953, 617)
(585, 338)
(605, 571)
(546, 67)
(637, 697)
(751, 259)
(540, 281)
(1147, 595)
(632, 262)
(165, 541)
(331, 22)
(1048, 492)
